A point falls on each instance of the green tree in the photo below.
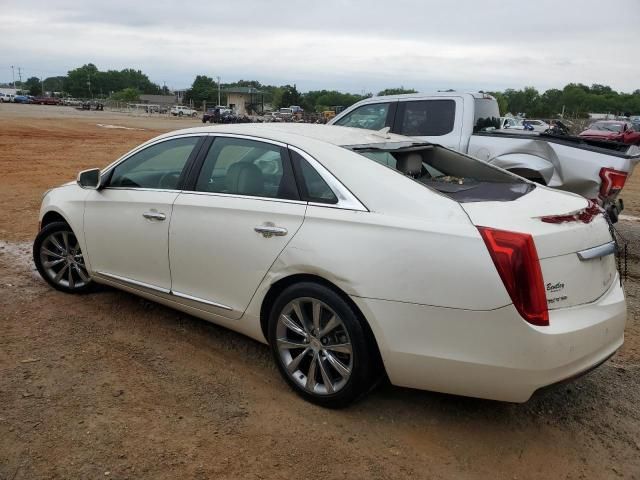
(396, 91)
(202, 89)
(289, 96)
(34, 86)
(126, 95)
(54, 84)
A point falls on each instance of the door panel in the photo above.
(216, 254)
(121, 241)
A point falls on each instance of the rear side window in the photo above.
(426, 118)
(312, 186)
(372, 116)
(247, 167)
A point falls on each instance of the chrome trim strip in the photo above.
(597, 252)
(346, 199)
(246, 137)
(134, 282)
(200, 300)
(247, 197)
(149, 143)
(163, 290)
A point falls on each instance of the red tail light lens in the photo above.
(516, 259)
(612, 181)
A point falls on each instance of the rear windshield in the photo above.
(457, 176)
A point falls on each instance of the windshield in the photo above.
(609, 127)
(457, 176)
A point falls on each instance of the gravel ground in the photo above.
(108, 385)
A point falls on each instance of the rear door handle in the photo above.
(153, 215)
(270, 230)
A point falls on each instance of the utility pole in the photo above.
(218, 90)
(42, 85)
(89, 84)
(20, 76)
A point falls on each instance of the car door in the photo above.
(126, 223)
(436, 120)
(242, 210)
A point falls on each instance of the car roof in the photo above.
(300, 133)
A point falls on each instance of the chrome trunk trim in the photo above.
(597, 252)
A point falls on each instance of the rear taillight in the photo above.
(612, 182)
(516, 259)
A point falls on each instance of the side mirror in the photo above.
(89, 179)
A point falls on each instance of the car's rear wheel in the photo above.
(320, 345)
(58, 258)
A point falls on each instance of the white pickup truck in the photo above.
(469, 122)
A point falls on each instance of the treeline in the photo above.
(87, 81)
(574, 100)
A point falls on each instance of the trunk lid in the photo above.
(568, 279)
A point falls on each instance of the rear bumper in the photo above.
(493, 354)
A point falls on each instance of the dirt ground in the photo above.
(108, 385)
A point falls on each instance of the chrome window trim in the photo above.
(346, 199)
(246, 197)
(246, 137)
(144, 146)
(142, 189)
(201, 300)
(134, 282)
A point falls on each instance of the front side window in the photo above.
(372, 117)
(247, 167)
(428, 118)
(158, 166)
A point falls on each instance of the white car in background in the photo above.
(537, 125)
(353, 254)
(6, 97)
(180, 111)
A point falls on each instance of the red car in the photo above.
(614, 130)
(46, 100)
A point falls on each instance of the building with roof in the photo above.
(245, 100)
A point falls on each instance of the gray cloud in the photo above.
(338, 44)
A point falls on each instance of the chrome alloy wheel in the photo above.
(62, 260)
(314, 346)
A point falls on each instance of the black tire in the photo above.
(365, 368)
(180, 114)
(43, 243)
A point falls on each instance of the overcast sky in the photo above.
(334, 44)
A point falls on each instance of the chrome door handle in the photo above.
(270, 230)
(153, 215)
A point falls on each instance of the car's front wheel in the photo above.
(58, 258)
(320, 345)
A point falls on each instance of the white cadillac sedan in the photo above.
(354, 254)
